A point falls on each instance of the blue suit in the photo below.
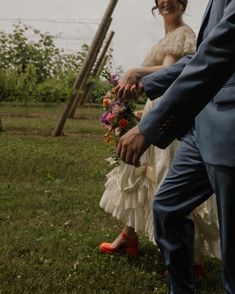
(197, 107)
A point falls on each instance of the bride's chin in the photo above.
(168, 12)
(168, 15)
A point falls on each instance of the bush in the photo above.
(52, 90)
(38, 71)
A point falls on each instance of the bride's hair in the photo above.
(183, 2)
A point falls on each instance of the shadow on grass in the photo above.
(149, 261)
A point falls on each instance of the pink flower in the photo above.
(110, 117)
(117, 118)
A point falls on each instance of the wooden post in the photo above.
(91, 55)
(89, 68)
(90, 86)
(95, 73)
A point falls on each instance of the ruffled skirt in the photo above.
(130, 191)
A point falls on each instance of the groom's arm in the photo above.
(201, 79)
(207, 72)
(134, 143)
(157, 83)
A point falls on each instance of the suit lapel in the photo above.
(204, 21)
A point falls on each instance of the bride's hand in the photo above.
(130, 77)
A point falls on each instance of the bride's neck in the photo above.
(172, 26)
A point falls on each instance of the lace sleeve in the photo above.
(181, 42)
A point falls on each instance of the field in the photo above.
(50, 219)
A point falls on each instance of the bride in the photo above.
(130, 190)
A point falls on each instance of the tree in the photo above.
(36, 70)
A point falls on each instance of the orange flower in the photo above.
(123, 123)
(108, 138)
(106, 102)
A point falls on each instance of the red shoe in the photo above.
(130, 246)
(199, 270)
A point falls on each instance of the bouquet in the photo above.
(117, 119)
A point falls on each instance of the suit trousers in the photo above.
(190, 182)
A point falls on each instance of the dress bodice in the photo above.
(179, 42)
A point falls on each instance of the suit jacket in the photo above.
(202, 91)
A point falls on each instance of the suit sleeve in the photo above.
(157, 83)
(196, 85)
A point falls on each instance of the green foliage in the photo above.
(37, 71)
(8, 82)
(142, 99)
(100, 87)
(52, 90)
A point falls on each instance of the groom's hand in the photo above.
(131, 146)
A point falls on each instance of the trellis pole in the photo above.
(91, 56)
(83, 84)
(89, 87)
(97, 70)
(89, 69)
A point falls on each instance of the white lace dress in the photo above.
(129, 191)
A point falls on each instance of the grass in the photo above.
(50, 219)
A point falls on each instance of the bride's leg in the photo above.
(127, 240)
(121, 240)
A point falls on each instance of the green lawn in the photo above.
(50, 219)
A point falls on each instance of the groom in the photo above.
(198, 108)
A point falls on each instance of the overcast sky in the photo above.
(75, 22)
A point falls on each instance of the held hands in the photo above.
(129, 92)
(129, 86)
(131, 77)
(131, 146)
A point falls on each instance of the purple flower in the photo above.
(113, 79)
(103, 118)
